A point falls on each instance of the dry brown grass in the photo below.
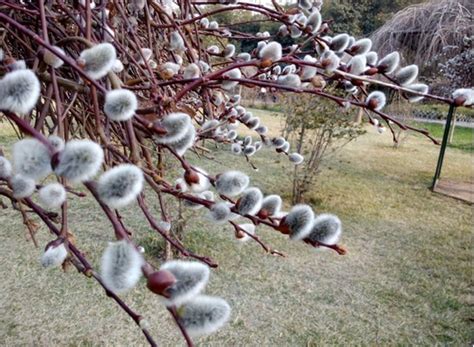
(406, 280)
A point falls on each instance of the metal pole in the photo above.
(442, 151)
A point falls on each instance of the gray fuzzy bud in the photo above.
(176, 125)
(249, 150)
(339, 42)
(371, 58)
(5, 168)
(314, 21)
(176, 42)
(232, 183)
(54, 255)
(219, 213)
(406, 75)
(22, 186)
(52, 195)
(120, 104)
(272, 204)
(98, 60)
(56, 142)
(358, 64)
(250, 202)
(186, 142)
(420, 88)
(296, 158)
(19, 91)
(361, 46)
(204, 315)
(236, 148)
(272, 51)
(300, 221)
(31, 159)
(326, 229)
(389, 63)
(376, 98)
(80, 160)
(191, 278)
(120, 268)
(234, 73)
(120, 185)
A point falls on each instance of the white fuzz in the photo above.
(213, 25)
(232, 135)
(305, 4)
(372, 58)
(278, 142)
(262, 129)
(121, 266)
(253, 123)
(17, 65)
(234, 73)
(376, 100)
(120, 104)
(186, 142)
(236, 148)
(80, 160)
(31, 159)
(296, 158)
(219, 213)
(191, 278)
(191, 71)
(286, 147)
(295, 32)
(271, 51)
(5, 168)
(231, 183)
(246, 116)
(272, 204)
(381, 129)
(244, 56)
(216, 99)
(19, 91)
(357, 64)
(56, 142)
(169, 69)
(249, 151)
(2, 54)
(420, 88)
(300, 221)
(98, 60)
(144, 55)
(258, 145)
(406, 75)
(308, 72)
(22, 186)
(361, 46)
(213, 49)
(204, 23)
(314, 21)
(176, 125)
(228, 51)
(326, 229)
(466, 93)
(204, 315)
(290, 80)
(209, 126)
(120, 185)
(389, 63)
(250, 202)
(330, 61)
(192, 205)
(176, 42)
(249, 228)
(52, 195)
(207, 195)
(51, 59)
(180, 185)
(54, 255)
(203, 183)
(339, 43)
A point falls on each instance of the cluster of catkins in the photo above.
(300, 223)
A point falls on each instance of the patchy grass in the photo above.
(463, 137)
(407, 279)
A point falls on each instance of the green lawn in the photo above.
(463, 137)
(406, 280)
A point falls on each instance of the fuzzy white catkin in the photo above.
(249, 150)
(54, 255)
(51, 59)
(57, 142)
(290, 80)
(379, 99)
(19, 91)
(371, 58)
(176, 42)
(203, 183)
(191, 71)
(326, 229)
(52, 195)
(296, 158)
(272, 204)
(80, 160)
(22, 186)
(308, 72)
(186, 142)
(331, 61)
(118, 66)
(236, 148)
(249, 229)
(120, 104)
(406, 75)
(31, 159)
(229, 51)
(234, 73)
(357, 64)
(300, 221)
(420, 88)
(120, 268)
(5, 168)
(314, 21)
(219, 213)
(339, 42)
(232, 183)
(98, 60)
(361, 46)
(278, 142)
(120, 185)
(272, 51)
(250, 202)
(204, 315)
(191, 278)
(261, 129)
(176, 125)
(389, 63)
(467, 94)
(244, 56)
(285, 147)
